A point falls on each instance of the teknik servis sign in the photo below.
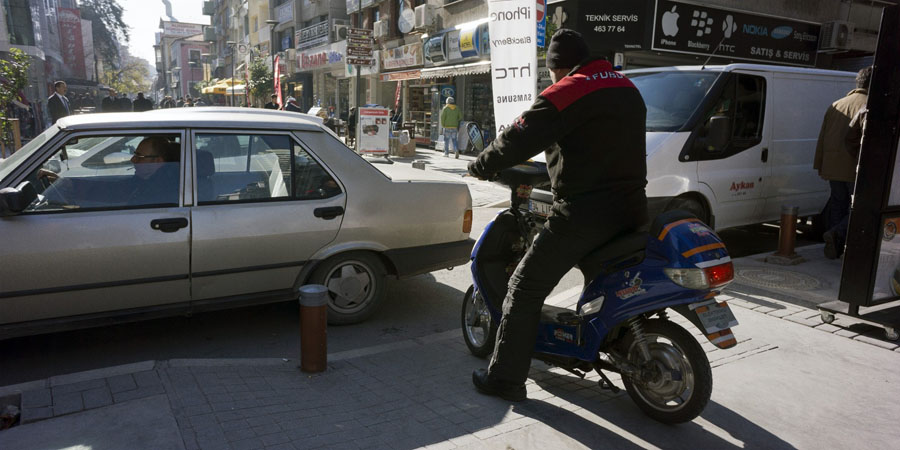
(701, 30)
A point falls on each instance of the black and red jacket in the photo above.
(597, 118)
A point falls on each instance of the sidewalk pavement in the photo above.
(791, 382)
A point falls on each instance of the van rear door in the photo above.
(737, 172)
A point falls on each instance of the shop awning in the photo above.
(402, 75)
(457, 70)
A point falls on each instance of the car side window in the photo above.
(742, 102)
(109, 172)
(257, 167)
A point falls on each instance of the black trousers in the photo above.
(558, 247)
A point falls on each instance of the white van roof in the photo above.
(752, 67)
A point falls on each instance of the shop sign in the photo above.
(322, 57)
(180, 29)
(312, 36)
(701, 30)
(72, 41)
(452, 41)
(433, 49)
(284, 13)
(400, 76)
(469, 42)
(514, 69)
(610, 25)
(403, 56)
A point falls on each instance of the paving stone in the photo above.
(67, 403)
(846, 333)
(876, 342)
(80, 386)
(148, 378)
(121, 383)
(275, 439)
(782, 312)
(268, 428)
(827, 328)
(247, 444)
(36, 399)
(803, 321)
(238, 435)
(139, 393)
(285, 446)
(764, 309)
(34, 414)
(96, 398)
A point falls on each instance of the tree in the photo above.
(107, 27)
(261, 80)
(131, 75)
(13, 78)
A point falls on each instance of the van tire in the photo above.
(690, 205)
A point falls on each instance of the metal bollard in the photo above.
(313, 328)
(787, 237)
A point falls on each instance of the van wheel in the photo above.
(690, 205)
(355, 283)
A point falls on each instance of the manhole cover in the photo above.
(779, 279)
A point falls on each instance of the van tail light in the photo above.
(705, 278)
(467, 221)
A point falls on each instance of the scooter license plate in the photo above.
(539, 208)
(714, 316)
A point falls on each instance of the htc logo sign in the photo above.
(513, 72)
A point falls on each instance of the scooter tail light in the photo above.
(721, 275)
(467, 221)
(688, 278)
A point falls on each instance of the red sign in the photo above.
(71, 41)
(277, 79)
(539, 10)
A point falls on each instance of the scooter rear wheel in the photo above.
(677, 381)
(479, 330)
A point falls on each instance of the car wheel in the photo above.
(690, 205)
(355, 283)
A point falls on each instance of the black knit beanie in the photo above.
(567, 49)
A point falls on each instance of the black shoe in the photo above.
(831, 250)
(487, 386)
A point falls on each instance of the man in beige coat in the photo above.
(837, 163)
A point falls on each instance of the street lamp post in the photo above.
(233, 46)
(272, 23)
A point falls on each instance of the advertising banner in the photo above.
(71, 41)
(403, 56)
(701, 30)
(513, 58)
(322, 57)
(373, 131)
(180, 29)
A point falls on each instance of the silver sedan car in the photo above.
(117, 217)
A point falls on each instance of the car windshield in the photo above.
(8, 164)
(671, 96)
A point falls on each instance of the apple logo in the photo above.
(670, 22)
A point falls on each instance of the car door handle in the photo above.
(329, 213)
(765, 155)
(169, 225)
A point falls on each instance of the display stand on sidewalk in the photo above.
(870, 276)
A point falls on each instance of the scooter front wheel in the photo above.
(675, 385)
(479, 330)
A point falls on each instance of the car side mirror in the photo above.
(116, 158)
(719, 133)
(15, 200)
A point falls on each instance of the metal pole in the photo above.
(232, 76)
(356, 125)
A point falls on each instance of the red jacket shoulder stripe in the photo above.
(592, 77)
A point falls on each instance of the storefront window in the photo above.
(18, 22)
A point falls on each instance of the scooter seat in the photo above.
(622, 252)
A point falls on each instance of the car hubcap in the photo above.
(478, 321)
(350, 285)
(669, 380)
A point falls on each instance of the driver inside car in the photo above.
(598, 171)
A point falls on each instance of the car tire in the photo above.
(690, 205)
(355, 283)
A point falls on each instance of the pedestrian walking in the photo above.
(58, 104)
(109, 103)
(123, 104)
(142, 104)
(450, 117)
(836, 162)
(273, 104)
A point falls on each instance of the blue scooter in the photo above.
(620, 323)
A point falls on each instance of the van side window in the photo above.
(742, 101)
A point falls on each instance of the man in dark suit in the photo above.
(272, 104)
(124, 104)
(58, 104)
(142, 104)
(109, 102)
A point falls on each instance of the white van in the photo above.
(734, 143)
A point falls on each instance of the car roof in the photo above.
(196, 117)
(742, 66)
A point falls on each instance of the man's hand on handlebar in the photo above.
(475, 172)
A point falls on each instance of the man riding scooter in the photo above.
(591, 121)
